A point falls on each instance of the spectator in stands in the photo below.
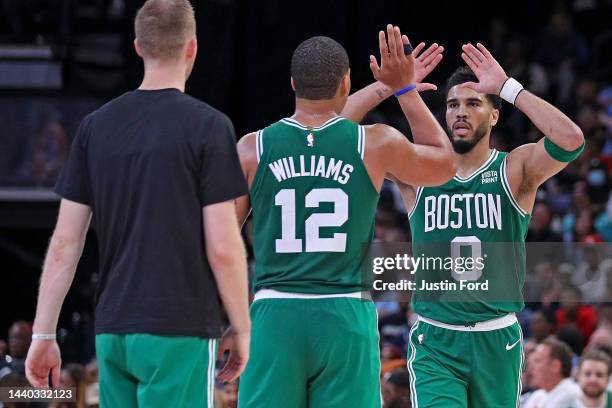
(604, 311)
(72, 376)
(561, 49)
(550, 366)
(591, 275)
(19, 338)
(540, 233)
(92, 395)
(574, 312)
(541, 325)
(601, 338)
(227, 395)
(396, 389)
(539, 227)
(570, 335)
(14, 380)
(593, 378)
(565, 273)
(542, 285)
(386, 222)
(396, 323)
(584, 229)
(525, 71)
(392, 349)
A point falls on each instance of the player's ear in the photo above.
(292, 84)
(137, 48)
(494, 116)
(192, 48)
(345, 83)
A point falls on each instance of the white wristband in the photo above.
(41, 336)
(510, 90)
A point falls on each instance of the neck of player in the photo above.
(163, 75)
(468, 162)
(314, 112)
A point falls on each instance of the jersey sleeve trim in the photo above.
(508, 190)
(418, 192)
(259, 144)
(361, 141)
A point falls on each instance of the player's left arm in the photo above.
(248, 161)
(531, 164)
(369, 97)
(538, 164)
(60, 264)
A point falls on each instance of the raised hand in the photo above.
(396, 69)
(490, 74)
(425, 62)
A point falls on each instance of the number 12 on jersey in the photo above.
(289, 243)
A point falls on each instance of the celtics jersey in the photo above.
(473, 218)
(313, 207)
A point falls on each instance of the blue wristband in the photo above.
(404, 90)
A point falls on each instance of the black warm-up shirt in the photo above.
(146, 163)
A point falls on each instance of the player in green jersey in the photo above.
(314, 182)
(465, 349)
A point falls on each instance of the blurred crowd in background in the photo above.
(569, 308)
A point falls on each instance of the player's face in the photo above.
(593, 378)
(469, 117)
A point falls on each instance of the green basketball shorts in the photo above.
(476, 366)
(312, 352)
(144, 370)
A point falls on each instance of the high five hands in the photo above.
(398, 70)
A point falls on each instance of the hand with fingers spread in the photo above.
(490, 74)
(425, 63)
(396, 69)
(238, 345)
(43, 359)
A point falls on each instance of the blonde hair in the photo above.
(163, 27)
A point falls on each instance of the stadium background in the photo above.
(60, 59)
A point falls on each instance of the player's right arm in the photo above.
(406, 163)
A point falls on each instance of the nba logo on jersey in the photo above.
(310, 140)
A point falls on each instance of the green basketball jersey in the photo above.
(478, 218)
(313, 207)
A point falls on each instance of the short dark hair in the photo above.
(317, 67)
(558, 350)
(596, 355)
(464, 74)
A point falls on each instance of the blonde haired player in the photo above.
(157, 171)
